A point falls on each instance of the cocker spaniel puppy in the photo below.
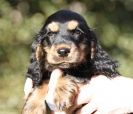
(65, 42)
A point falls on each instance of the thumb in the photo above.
(89, 108)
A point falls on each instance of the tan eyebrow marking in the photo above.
(54, 27)
(72, 25)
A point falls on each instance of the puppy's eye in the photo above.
(76, 32)
(50, 34)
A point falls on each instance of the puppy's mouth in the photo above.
(65, 62)
(61, 65)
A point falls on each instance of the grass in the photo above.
(11, 94)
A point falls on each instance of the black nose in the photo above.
(63, 52)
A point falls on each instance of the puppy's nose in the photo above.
(63, 52)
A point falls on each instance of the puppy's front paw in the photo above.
(65, 93)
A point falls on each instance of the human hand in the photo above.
(106, 96)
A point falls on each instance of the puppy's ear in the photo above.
(103, 63)
(35, 66)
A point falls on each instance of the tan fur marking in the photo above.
(72, 25)
(93, 49)
(54, 27)
(39, 52)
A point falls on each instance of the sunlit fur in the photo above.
(86, 57)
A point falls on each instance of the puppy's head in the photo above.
(67, 40)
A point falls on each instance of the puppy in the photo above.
(65, 42)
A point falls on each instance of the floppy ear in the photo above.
(102, 62)
(35, 67)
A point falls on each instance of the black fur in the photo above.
(101, 64)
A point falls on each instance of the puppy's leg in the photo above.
(35, 102)
(65, 93)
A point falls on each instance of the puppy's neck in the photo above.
(81, 72)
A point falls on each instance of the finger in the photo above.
(55, 75)
(56, 72)
(87, 109)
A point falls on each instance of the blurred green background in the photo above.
(20, 20)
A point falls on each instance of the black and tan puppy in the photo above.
(65, 42)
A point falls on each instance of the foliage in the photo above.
(20, 20)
